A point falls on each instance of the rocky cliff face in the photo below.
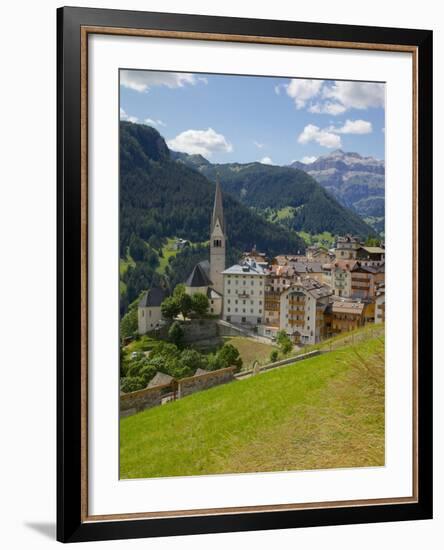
(355, 181)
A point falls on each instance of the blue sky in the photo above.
(230, 118)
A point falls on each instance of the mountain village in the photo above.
(310, 297)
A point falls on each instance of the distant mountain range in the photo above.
(357, 182)
(283, 194)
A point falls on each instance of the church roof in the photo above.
(153, 297)
(218, 211)
(198, 277)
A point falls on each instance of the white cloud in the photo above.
(308, 160)
(153, 122)
(142, 81)
(258, 144)
(327, 107)
(356, 95)
(324, 137)
(301, 90)
(333, 98)
(200, 142)
(354, 127)
(126, 116)
(266, 160)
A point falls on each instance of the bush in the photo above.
(274, 355)
(284, 342)
(199, 304)
(170, 307)
(132, 383)
(175, 333)
(228, 356)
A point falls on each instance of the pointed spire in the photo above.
(218, 211)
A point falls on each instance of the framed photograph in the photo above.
(244, 274)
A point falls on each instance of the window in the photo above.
(229, 291)
(217, 243)
(229, 301)
(244, 319)
(228, 309)
(229, 281)
(259, 320)
(243, 310)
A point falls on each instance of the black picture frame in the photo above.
(71, 524)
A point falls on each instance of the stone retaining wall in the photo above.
(280, 363)
(192, 384)
(137, 401)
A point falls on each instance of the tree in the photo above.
(274, 355)
(185, 304)
(199, 303)
(170, 307)
(228, 356)
(284, 341)
(132, 383)
(175, 333)
(179, 290)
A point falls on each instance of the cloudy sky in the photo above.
(243, 119)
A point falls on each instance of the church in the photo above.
(207, 276)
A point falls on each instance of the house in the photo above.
(160, 379)
(180, 244)
(371, 253)
(317, 253)
(347, 247)
(302, 308)
(364, 279)
(149, 315)
(244, 292)
(278, 279)
(341, 277)
(344, 315)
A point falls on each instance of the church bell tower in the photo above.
(217, 242)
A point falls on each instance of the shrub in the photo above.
(274, 355)
(228, 356)
(199, 303)
(284, 342)
(175, 333)
(132, 383)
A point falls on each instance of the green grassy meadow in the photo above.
(324, 412)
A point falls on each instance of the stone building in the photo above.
(149, 315)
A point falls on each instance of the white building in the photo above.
(302, 308)
(244, 291)
(149, 315)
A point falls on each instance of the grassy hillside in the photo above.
(325, 412)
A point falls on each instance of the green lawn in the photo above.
(324, 412)
(250, 350)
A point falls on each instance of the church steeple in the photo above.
(218, 211)
(217, 242)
